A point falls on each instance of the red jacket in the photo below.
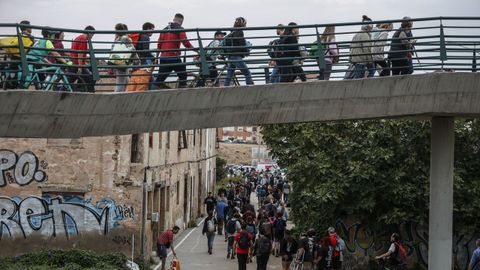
(171, 41)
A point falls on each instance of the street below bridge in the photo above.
(191, 249)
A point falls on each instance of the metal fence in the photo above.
(28, 61)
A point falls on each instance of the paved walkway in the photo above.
(191, 248)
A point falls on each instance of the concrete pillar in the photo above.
(441, 194)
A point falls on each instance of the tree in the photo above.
(375, 170)
(220, 168)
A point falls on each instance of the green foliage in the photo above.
(65, 259)
(376, 171)
(221, 172)
(223, 183)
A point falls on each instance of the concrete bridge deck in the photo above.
(40, 114)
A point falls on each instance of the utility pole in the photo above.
(144, 212)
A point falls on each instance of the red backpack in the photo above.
(134, 37)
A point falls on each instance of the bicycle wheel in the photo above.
(80, 85)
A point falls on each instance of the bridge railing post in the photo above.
(321, 51)
(474, 59)
(93, 59)
(203, 56)
(443, 47)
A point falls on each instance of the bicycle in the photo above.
(56, 79)
(383, 264)
(297, 263)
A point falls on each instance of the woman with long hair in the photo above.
(331, 52)
(380, 38)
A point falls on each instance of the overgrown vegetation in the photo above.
(67, 260)
(375, 171)
(221, 172)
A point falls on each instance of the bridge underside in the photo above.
(71, 115)
(441, 96)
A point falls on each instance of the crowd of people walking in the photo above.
(133, 61)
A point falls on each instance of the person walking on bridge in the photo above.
(169, 46)
(165, 241)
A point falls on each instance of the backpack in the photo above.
(210, 226)
(267, 227)
(280, 225)
(227, 44)
(251, 229)
(264, 246)
(231, 226)
(243, 240)
(400, 255)
(134, 37)
(274, 51)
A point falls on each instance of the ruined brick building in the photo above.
(87, 192)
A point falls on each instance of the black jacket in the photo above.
(234, 44)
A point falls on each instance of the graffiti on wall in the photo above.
(21, 169)
(59, 217)
(362, 243)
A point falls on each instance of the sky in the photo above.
(104, 14)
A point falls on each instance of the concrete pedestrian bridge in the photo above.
(40, 114)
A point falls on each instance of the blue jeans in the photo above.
(210, 238)
(358, 71)
(274, 77)
(371, 69)
(237, 63)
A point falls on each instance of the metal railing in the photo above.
(441, 44)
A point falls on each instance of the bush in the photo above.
(74, 259)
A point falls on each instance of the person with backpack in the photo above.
(165, 241)
(232, 227)
(331, 52)
(251, 228)
(475, 260)
(120, 57)
(242, 244)
(401, 49)
(141, 42)
(212, 53)
(169, 46)
(220, 210)
(235, 49)
(261, 249)
(338, 245)
(324, 255)
(279, 226)
(272, 49)
(306, 249)
(288, 249)
(360, 52)
(209, 228)
(396, 254)
(287, 52)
